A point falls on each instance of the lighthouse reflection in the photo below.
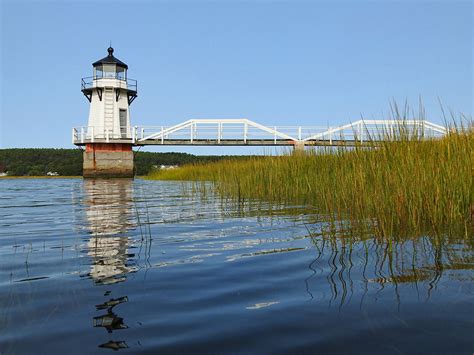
(109, 215)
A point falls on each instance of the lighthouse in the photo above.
(108, 133)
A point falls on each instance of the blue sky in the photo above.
(278, 63)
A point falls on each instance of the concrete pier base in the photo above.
(298, 147)
(108, 160)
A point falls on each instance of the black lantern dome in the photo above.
(110, 59)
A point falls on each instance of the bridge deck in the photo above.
(249, 142)
(227, 142)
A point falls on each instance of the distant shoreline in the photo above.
(40, 177)
(56, 177)
(37, 162)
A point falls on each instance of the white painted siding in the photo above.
(104, 114)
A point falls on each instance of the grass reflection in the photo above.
(351, 258)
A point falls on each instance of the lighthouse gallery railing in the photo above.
(88, 82)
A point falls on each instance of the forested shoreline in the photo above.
(68, 162)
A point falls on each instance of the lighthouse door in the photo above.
(123, 122)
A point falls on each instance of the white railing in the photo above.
(225, 130)
(91, 134)
(378, 130)
(242, 131)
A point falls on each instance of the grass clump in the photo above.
(409, 184)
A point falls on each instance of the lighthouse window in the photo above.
(109, 71)
(121, 73)
(98, 72)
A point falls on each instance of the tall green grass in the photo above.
(410, 185)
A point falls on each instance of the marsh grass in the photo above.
(394, 187)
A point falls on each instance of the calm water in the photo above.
(137, 266)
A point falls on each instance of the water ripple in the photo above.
(138, 266)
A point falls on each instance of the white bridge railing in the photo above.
(244, 131)
(91, 134)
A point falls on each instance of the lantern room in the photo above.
(110, 67)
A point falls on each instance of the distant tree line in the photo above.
(68, 162)
(22, 162)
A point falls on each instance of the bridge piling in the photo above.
(298, 147)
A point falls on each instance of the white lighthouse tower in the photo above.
(110, 94)
(109, 134)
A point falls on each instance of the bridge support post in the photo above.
(298, 147)
(108, 160)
